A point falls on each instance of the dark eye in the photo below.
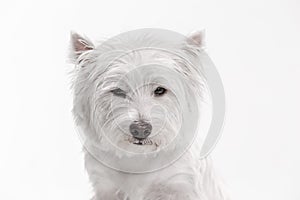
(159, 91)
(118, 92)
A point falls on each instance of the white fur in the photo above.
(97, 111)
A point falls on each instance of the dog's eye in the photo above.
(159, 91)
(118, 92)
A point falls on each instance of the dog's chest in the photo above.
(136, 185)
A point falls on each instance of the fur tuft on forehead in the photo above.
(136, 51)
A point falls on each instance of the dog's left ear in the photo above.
(196, 38)
(79, 45)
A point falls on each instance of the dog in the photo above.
(135, 101)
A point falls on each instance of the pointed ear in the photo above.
(79, 45)
(196, 38)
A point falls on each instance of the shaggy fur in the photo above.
(104, 115)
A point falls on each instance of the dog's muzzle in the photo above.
(140, 129)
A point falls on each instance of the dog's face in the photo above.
(137, 105)
(132, 100)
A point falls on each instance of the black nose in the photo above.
(140, 129)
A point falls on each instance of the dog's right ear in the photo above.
(79, 45)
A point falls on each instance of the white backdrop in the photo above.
(254, 44)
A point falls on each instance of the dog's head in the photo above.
(130, 94)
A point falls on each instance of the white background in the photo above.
(254, 44)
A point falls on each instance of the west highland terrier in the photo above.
(136, 104)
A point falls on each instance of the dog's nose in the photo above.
(140, 129)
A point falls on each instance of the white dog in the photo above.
(126, 104)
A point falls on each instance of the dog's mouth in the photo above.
(136, 141)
